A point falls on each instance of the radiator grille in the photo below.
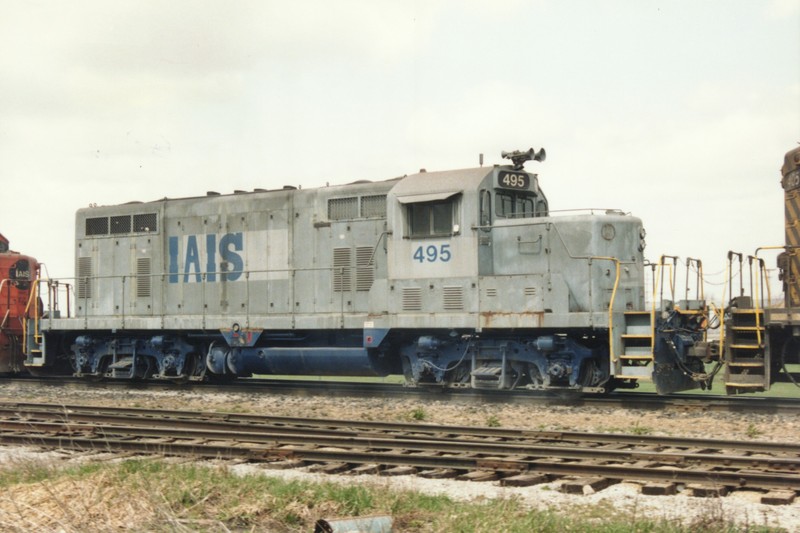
(97, 226)
(145, 223)
(343, 208)
(412, 299)
(120, 224)
(83, 285)
(453, 297)
(143, 279)
(373, 206)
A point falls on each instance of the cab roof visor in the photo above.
(429, 197)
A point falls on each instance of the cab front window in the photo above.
(515, 205)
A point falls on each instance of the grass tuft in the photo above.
(418, 414)
(151, 495)
(493, 422)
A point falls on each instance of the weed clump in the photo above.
(153, 495)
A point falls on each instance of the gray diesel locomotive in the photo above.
(456, 278)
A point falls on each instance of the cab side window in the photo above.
(431, 219)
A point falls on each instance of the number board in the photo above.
(513, 180)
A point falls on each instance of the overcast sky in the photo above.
(678, 112)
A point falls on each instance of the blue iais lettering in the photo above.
(229, 257)
(194, 256)
(211, 263)
(192, 259)
(173, 260)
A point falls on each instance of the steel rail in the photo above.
(525, 452)
(740, 479)
(237, 421)
(179, 434)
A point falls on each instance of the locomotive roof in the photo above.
(422, 186)
(425, 186)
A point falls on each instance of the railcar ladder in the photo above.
(746, 341)
(746, 368)
(31, 329)
(33, 338)
(636, 358)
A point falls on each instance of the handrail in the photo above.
(787, 248)
(673, 273)
(616, 262)
(755, 293)
(664, 268)
(699, 288)
(731, 255)
(32, 297)
(8, 311)
(756, 289)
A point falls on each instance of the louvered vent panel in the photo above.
(530, 291)
(491, 292)
(83, 285)
(453, 298)
(412, 299)
(365, 273)
(143, 278)
(342, 272)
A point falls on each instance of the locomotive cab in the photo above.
(491, 291)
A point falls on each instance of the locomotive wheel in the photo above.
(193, 370)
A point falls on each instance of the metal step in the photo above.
(123, 364)
(487, 372)
(638, 357)
(753, 364)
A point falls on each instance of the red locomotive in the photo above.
(17, 273)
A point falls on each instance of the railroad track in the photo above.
(662, 465)
(639, 400)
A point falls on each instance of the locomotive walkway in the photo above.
(662, 465)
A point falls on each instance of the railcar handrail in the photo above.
(787, 248)
(8, 311)
(539, 220)
(247, 275)
(32, 297)
(616, 262)
(756, 298)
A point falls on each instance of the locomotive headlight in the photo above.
(642, 243)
